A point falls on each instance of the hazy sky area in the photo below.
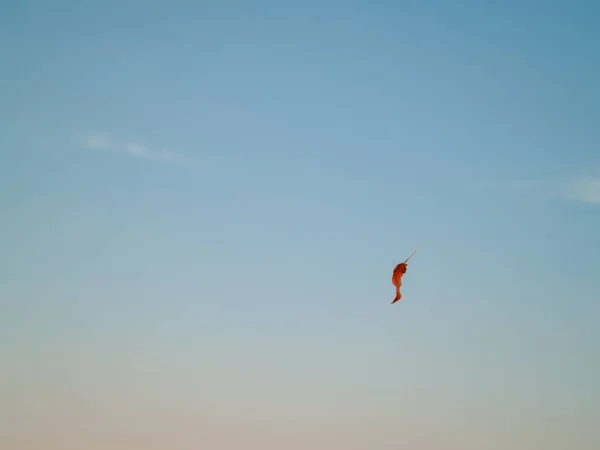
(202, 204)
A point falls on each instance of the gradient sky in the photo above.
(202, 204)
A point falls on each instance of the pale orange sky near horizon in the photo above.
(151, 395)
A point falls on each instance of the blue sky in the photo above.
(203, 203)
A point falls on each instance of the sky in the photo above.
(202, 204)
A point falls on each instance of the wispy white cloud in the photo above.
(584, 189)
(103, 142)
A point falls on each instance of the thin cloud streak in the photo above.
(102, 142)
(584, 189)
